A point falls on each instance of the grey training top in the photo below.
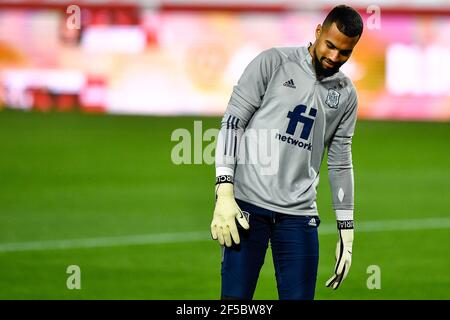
(278, 123)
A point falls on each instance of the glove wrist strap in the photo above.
(344, 224)
(224, 179)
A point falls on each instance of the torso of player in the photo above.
(300, 115)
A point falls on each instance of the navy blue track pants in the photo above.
(295, 250)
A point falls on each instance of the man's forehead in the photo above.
(338, 39)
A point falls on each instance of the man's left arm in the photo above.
(340, 172)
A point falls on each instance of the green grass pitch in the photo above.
(77, 176)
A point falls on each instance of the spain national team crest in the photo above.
(332, 98)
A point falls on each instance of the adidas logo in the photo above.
(290, 84)
(312, 222)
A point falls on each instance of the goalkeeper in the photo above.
(300, 93)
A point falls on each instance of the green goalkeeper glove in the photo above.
(343, 254)
(223, 225)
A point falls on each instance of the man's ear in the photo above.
(318, 31)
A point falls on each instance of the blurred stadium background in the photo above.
(91, 92)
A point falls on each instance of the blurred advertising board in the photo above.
(132, 60)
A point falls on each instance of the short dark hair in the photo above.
(347, 20)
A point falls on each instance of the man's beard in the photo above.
(321, 72)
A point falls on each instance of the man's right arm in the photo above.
(245, 100)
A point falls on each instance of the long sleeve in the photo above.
(340, 166)
(245, 100)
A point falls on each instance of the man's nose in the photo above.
(334, 56)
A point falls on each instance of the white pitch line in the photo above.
(146, 239)
(105, 242)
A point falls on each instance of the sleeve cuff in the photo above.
(224, 171)
(342, 215)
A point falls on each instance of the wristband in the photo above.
(344, 224)
(224, 179)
